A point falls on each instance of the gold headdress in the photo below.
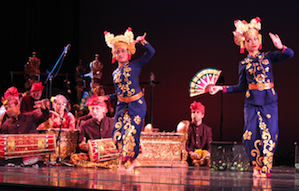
(243, 29)
(120, 41)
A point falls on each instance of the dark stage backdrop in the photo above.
(187, 35)
(42, 26)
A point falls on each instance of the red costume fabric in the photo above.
(199, 137)
(92, 130)
(27, 103)
(25, 123)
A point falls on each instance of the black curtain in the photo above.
(45, 27)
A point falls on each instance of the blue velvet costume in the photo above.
(127, 128)
(260, 110)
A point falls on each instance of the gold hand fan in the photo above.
(200, 83)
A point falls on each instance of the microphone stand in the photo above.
(50, 78)
(151, 81)
(58, 160)
(58, 141)
(51, 75)
(221, 82)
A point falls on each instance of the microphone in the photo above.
(66, 49)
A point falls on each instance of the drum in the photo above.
(68, 143)
(24, 145)
(102, 150)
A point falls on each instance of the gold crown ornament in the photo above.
(125, 41)
(244, 29)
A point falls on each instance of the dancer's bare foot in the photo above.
(133, 165)
(256, 173)
(121, 166)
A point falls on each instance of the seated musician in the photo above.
(21, 123)
(27, 102)
(60, 114)
(98, 126)
(199, 140)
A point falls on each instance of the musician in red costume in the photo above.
(21, 123)
(199, 137)
(28, 102)
(97, 127)
(61, 115)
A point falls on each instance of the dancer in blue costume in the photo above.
(130, 109)
(256, 78)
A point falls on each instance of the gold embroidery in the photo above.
(265, 62)
(128, 138)
(129, 141)
(140, 101)
(117, 133)
(258, 66)
(268, 145)
(247, 94)
(116, 76)
(273, 91)
(256, 153)
(268, 163)
(268, 116)
(137, 119)
(247, 60)
(260, 78)
(247, 135)
(248, 66)
(123, 82)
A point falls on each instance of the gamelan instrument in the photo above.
(102, 150)
(24, 145)
(202, 80)
(68, 143)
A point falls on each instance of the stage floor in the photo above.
(143, 178)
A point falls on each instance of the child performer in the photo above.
(256, 78)
(130, 109)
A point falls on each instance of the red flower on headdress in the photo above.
(258, 20)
